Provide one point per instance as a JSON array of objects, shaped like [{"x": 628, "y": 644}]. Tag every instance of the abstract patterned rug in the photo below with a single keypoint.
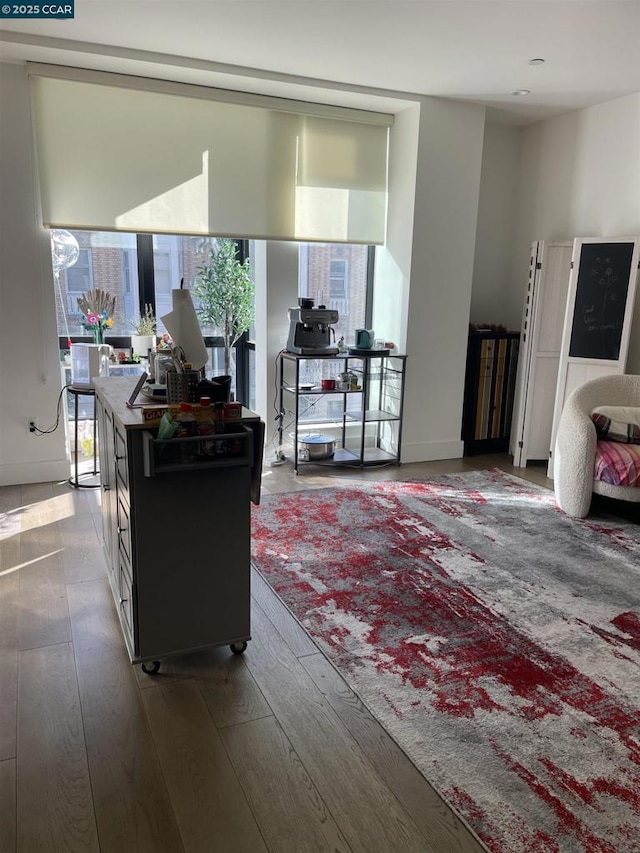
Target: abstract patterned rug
[{"x": 496, "y": 640}]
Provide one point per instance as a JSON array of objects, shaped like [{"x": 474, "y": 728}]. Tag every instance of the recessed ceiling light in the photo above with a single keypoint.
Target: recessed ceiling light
[
  {"x": 536, "y": 61},
  {"x": 521, "y": 92}
]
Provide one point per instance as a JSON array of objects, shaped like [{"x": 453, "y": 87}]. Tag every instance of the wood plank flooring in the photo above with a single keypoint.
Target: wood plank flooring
[{"x": 270, "y": 752}]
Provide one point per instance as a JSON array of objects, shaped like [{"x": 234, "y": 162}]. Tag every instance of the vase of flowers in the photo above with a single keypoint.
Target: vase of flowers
[
  {"x": 97, "y": 307},
  {"x": 144, "y": 326}
]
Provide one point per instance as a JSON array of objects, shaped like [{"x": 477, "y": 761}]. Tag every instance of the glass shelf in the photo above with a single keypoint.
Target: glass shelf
[
  {"x": 315, "y": 392},
  {"x": 371, "y": 416}
]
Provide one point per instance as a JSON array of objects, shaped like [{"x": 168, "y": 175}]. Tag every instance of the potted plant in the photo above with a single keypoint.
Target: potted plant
[
  {"x": 224, "y": 293},
  {"x": 145, "y": 332}
]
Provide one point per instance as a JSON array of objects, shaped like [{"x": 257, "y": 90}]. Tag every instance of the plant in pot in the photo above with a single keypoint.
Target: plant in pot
[
  {"x": 144, "y": 327},
  {"x": 224, "y": 294}
]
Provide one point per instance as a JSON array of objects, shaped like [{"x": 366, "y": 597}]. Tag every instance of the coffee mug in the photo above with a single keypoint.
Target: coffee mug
[
  {"x": 364, "y": 338},
  {"x": 328, "y": 384}
]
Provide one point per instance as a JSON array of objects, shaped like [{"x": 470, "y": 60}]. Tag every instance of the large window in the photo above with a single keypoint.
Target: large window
[
  {"x": 338, "y": 275},
  {"x": 143, "y": 269},
  {"x": 106, "y": 261}
]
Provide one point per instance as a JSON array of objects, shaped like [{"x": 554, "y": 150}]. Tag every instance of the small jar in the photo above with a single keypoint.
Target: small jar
[
  {"x": 186, "y": 420},
  {"x": 187, "y": 428}
]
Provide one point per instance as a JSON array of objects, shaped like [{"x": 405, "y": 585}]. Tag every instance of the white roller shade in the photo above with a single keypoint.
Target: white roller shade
[
  {"x": 119, "y": 157},
  {"x": 341, "y": 191}
]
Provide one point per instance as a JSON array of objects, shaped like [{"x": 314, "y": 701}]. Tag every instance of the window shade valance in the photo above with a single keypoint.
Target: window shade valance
[{"x": 122, "y": 157}]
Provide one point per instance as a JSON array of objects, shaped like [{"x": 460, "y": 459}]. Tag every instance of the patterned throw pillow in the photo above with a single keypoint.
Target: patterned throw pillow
[{"x": 617, "y": 423}]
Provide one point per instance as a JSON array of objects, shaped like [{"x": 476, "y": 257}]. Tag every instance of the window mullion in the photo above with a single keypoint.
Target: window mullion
[
  {"x": 368, "y": 311},
  {"x": 242, "y": 367},
  {"x": 146, "y": 278}
]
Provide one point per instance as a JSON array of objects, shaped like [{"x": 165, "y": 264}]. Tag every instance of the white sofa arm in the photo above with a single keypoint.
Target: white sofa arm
[{"x": 574, "y": 460}]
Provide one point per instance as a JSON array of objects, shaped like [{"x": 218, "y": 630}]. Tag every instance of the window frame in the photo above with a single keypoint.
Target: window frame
[{"x": 343, "y": 278}]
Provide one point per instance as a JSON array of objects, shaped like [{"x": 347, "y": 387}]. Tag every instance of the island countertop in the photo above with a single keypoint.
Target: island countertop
[{"x": 114, "y": 392}]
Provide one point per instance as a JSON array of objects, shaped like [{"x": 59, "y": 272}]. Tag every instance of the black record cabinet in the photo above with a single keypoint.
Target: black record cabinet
[{"x": 492, "y": 361}]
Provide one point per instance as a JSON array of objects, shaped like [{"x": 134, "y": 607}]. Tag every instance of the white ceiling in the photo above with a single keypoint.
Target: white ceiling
[{"x": 466, "y": 49}]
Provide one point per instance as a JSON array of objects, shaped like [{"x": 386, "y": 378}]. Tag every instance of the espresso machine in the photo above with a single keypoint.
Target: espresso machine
[{"x": 310, "y": 329}]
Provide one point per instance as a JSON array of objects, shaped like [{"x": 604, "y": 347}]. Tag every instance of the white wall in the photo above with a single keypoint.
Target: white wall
[
  {"x": 393, "y": 261},
  {"x": 576, "y": 175},
  {"x": 276, "y": 272},
  {"x": 496, "y": 297},
  {"x": 580, "y": 177},
  {"x": 30, "y": 379},
  {"x": 444, "y": 228}
]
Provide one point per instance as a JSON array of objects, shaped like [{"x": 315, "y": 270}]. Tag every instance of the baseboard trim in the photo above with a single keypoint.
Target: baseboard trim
[
  {"x": 54, "y": 471},
  {"x": 431, "y": 451}
]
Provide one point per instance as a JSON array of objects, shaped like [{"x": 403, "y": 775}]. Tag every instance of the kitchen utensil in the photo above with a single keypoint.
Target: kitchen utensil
[
  {"x": 364, "y": 338},
  {"x": 316, "y": 446}
]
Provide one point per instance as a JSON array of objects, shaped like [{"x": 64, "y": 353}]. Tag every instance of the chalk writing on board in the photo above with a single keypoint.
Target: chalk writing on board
[
  {"x": 601, "y": 296},
  {"x": 596, "y": 317}
]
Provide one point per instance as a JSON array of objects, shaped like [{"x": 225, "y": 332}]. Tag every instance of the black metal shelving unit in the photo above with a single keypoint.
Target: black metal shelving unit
[{"x": 364, "y": 420}]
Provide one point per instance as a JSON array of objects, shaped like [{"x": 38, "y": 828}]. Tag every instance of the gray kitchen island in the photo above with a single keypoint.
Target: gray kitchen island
[{"x": 176, "y": 529}]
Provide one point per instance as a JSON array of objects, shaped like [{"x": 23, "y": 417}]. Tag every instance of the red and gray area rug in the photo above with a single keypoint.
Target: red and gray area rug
[{"x": 496, "y": 639}]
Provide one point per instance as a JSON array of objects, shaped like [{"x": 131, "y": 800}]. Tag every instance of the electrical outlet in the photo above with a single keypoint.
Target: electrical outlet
[{"x": 33, "y": 424}]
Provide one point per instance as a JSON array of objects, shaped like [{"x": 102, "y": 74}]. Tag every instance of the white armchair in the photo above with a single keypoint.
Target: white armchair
[{"x": 575, "y": 449}]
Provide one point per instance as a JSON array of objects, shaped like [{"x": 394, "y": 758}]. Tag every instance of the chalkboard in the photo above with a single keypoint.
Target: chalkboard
[{"x": 601, "y": 297}]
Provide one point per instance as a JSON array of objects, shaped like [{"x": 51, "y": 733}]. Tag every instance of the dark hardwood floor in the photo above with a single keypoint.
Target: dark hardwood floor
[{"x": 270, "y": 751}]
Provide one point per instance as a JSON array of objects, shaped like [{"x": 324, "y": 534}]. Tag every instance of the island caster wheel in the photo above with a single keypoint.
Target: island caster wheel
[
  {"x": 151, "y": 669},
  {"x": 238, "y": 648}
]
